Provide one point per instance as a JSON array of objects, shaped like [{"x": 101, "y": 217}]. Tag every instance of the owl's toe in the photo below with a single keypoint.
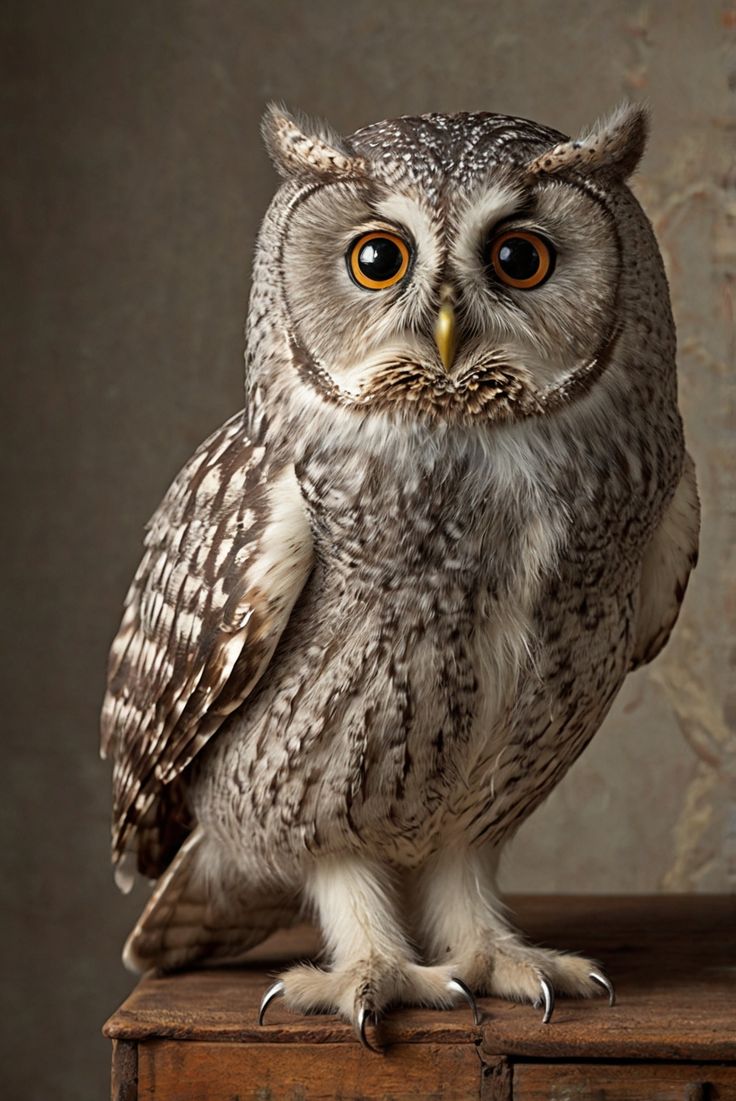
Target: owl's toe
[
  {"x": 523, "y": 973},
  {"x": 360, "y": 993},
  {"x": 275, "y": 991},
  {"x": 365, "y": 1015},
  {"x": 605, "y": 982},
  {"x": 457, "y": 986},
  {"x": 548, "y": 997}
]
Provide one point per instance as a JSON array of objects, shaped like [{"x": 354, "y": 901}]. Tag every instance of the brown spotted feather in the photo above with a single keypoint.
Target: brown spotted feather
[{"x": 199, "y": 627}]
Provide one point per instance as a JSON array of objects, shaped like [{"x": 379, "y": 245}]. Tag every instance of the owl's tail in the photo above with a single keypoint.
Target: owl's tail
[{"x": 185, "y": 923}]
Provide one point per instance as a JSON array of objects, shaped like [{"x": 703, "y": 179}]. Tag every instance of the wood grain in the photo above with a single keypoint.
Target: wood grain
[
  {"x": 124, "y": 1082},
  {"x": 296, "y": 1072},
  {"x": 671, "y": 958},
  {"x": 496, "y": 1080},
  {"x": 645, "y": 1082}
]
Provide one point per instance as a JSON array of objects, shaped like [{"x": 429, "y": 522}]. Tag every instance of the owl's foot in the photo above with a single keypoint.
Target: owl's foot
[
  {"x": 463, "y": 926},
  {"x": 359, "y": 993},
  {"x": 510, "y": 969}
]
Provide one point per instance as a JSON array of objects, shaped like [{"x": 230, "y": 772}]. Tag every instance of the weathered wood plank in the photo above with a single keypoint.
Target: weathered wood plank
[
  {"x": 583, "y": 1082},
  {"x": 299, "y": 1072},
  {"x": 671, "y": 957},
  {"x": 496, "y": 1080},
  {"x": 124, "y": 1081}
]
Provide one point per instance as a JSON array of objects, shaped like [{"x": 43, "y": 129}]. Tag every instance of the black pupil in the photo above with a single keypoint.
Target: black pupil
[
  {"x": 380, "y": 259},
  {"x": 519, "y": 258}
]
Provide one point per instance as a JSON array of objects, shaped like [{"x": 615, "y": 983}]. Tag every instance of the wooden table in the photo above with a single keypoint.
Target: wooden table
[{"x": 670, "y": 1037}]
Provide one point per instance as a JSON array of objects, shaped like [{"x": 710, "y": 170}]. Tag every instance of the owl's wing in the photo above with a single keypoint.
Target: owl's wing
[
  {"x": 668, "y": 560},
  {"x": 185, "y": 921},
  {"x": 226, "y": 556}
]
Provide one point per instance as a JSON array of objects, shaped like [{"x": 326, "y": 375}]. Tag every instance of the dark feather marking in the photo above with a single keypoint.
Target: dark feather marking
[{"x": 157, "y": 716}]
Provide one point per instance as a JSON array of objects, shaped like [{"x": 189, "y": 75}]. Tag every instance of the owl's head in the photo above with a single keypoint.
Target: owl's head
[{"x": 450, "y": 268}]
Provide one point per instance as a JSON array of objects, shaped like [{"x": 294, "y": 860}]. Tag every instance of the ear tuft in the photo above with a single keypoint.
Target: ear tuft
[
  {"x": 299, "y": 145},
  {"x": 613, "y": 146}
]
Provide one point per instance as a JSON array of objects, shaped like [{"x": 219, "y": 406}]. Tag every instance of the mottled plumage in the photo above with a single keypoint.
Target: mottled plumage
[{"x": 383, "y": 610}]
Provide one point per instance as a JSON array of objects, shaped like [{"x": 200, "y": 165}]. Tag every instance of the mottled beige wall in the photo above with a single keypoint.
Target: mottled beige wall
[
  {"x": 135, "y": 185},
  {"x": 651, "y": 805}
]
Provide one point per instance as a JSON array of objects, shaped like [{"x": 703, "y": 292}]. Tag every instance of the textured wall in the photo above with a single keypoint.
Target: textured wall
[{"x": 137, "y": 181}]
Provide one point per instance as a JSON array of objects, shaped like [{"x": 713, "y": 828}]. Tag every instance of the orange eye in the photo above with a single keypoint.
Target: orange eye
[
  {"x": 521, "y": 259},
  {"x": 378, "y": 260}
]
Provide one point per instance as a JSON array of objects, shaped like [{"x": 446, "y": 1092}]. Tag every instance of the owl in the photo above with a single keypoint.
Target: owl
[{"x": 383, "y": 609}]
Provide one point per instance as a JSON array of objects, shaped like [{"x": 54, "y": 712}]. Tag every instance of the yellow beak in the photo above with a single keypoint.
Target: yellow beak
[{"x": 444, "y": 334}]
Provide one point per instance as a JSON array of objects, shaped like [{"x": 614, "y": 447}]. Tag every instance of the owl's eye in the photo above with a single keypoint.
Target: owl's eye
[
  {"x": 521, "y": 259},
  {"x": 378, "y": 260}
]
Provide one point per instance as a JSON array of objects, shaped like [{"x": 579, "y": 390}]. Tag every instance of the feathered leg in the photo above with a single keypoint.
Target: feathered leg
[
  {"x": 461, "y": 924},
  {"x": 372, "y": 964}
]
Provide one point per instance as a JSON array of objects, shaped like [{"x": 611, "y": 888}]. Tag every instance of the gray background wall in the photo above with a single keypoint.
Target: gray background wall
[{"x": 133, "y": 184}]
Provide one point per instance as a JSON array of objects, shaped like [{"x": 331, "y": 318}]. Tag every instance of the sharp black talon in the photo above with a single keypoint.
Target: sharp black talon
[
  {"x": 459, "y": 986},
  {"x": 596, "y": 976},
  {"x": 548, "y": 994},
  {"x": 363, "y": 1015},
  {"x": 274, "y": 991}
]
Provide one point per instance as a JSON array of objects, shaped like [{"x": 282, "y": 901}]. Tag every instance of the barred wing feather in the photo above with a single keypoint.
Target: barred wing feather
[{"x": 226, "y": 556}]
